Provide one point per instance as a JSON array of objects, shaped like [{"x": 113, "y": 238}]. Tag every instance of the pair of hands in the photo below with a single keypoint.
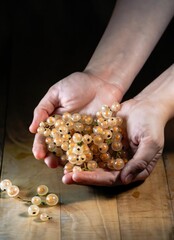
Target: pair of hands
[{"x": 85, "y": 93}]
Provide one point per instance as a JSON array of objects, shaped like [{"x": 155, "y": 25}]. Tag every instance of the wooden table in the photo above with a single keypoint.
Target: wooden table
[{"x": 140, "y": 211}]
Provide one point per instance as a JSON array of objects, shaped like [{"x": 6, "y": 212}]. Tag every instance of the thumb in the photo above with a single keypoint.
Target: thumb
[
  {"x": 39, "y": 115},
  {"x": 141, "y": 165}
]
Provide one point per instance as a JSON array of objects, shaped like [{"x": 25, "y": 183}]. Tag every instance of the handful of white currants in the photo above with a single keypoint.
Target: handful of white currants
[{"x": 86, "y": 142}]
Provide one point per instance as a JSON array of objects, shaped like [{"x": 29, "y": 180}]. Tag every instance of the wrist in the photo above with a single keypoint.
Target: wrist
[
  {"x": 109, "y": 73},
  {"x": 160, "y": 93}
]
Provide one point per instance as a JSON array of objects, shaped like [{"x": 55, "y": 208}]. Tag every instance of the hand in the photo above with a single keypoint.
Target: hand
[
  {"x": 145, "y": 125},
  {"x": 79, "y": 92},
  {"x": 145, "y": 128}
]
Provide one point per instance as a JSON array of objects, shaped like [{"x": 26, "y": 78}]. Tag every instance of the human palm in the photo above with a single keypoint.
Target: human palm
[
  {"x": 79, "y": 92},
  {"x": 145, "y": 127}
]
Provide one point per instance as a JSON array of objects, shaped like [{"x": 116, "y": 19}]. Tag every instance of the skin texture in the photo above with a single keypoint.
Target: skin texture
[{"x": 120, "y": 55}]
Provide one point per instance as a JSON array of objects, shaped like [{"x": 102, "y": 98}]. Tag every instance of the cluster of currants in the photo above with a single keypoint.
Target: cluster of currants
[
  {"x": 50, "y": 199},
  {"x": 85, "y": 142}
]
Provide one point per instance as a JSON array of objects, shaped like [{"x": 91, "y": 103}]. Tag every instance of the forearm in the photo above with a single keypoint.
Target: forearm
[
  {"x": 133, "y": 31},
  {"x": 160, "y": 94}
]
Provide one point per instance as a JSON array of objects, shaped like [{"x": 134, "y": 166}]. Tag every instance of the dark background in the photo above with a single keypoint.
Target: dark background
[{"x": 44, "y": 41}]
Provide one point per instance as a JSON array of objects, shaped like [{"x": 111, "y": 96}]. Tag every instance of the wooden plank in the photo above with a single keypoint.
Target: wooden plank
[
  {"x": 168, "y": 157},
  {"x": 169, "y": 166},
  {"x": 27, "y": 173},
  {"x": 86, "y": 214},
  {"x": 82, "y": 211},
  {"x": 145, "y": 212}
]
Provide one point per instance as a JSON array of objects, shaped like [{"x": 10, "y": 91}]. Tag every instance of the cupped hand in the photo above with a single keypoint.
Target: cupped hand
[
  {"x": 79, "y": 92},
  {"x": 145, "y": 127}
]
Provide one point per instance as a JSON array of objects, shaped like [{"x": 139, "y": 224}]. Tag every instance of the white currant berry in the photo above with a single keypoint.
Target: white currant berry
[
  {"x": 92, "y": 165},
  {"x": 76, "y": 117},
  {"x": 52, "y": 199},
  {"x": 36, "y": 200},
  {"x": 12, "y": 191},
  {"x": 118, "y": 164},
  {"x": 44, "y": 217},
  {"x": 33, "y": 210},
  {"x": 77, "y": 169},
  {"x": 115, "y": 107},
  {"x": 5, "y": 184},
  {"x": 42, "y": 190}
]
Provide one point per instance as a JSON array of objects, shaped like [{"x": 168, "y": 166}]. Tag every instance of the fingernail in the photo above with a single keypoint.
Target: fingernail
[{"x": 128, "y": 179}]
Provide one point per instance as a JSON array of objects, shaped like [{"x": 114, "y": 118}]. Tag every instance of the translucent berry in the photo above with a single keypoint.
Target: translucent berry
[
  {"x": 116, "y": 146},
  {"x": 77, "y": 137},
  {"x": 51, "y": 147},
  {"x": 97, "y": 139},
  {"x": 5, "y": 184},
  {"x": 88, "y": 120},
  {"x": 92, "y": 165},
  {"x": 104, "y": 124},
  {"x": 49, "y": 140},
  {"x": 78, "y": 127},
  {"x": 50, "y": 120},
  {"x": 33, "y": 210},
  {"x": 107, "y": 134},
  {"x": 115, "y": 107},
  {"x": 107, "y": 113},
  {"x": 58, "y": 141},
  {"x": 66, "y": 116},
  {"x": 42, "y": 190},
  {"x": 117, "y": 137},
  {"x": 62, "y": 129},
  {"x": 87, "y": 139},
  {"x": 58, "y": 123},
  {"x": 52, "y": 199},
  {"x": 40, "y": 130},
  {"x": 98, "y": 130},
  {"x": 76, "y": 117},
  {"x": 110, "y": 163},
  {"x": 36, "y": 200},
  {"x": 72, "y": 158},
  {"x": 103, "y": 147},
  {"x": 65, "y": 146},
  {"x": 112, "y": 121},
  {"x": 44, "y": 217},
  {"x": 77, "y": 150},
  {"x": 12, "y": 191},
  {"x": 105, "y": 156},
  {"x": 119, "y": 121},
  {"x": 118, "y": 164},
  {"x": 77, "y": 169},
  {"x": 68, "y": 167}
]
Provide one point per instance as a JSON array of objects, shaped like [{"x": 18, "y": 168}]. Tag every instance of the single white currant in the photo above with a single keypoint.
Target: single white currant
[
  {"x": 33, "y": 210},
  {"x": 52, "y": 199},
  {"x": 42, "y": 190},
  {"x": 12, "y": 191},
  {"x": 36, "y": 200},
  {"x": 44, "y": 217},
  {"x": 5, "y": 184}
]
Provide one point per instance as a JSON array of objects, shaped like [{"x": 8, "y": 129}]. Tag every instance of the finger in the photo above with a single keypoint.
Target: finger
[
  {"x": 142, "y": 163},
  {"x": 39, "y": 116},
  {"x": 39, "y": 147},
  {"x": 51, "y": 160},
  {"x": 45, "y": 108},
  {"x": 99, "y": 177},
  {"x": 67, "y": 178}
]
